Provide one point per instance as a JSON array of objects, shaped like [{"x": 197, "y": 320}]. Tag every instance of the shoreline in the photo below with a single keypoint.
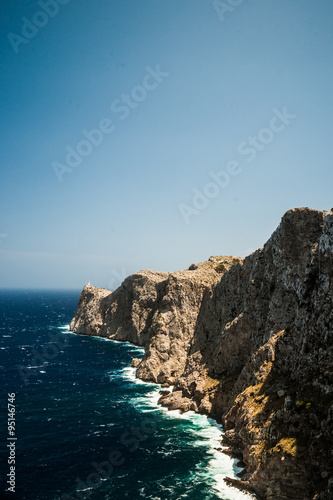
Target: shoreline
[
  {"x": 230, "y": 482},
  {"x": 245, "y": 341}
]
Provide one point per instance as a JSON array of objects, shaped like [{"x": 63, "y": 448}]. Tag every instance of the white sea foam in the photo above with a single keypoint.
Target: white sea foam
[
  {"x": 207, "y": 432},
  {"x": 101, "y": 339},
  {"x": 219, "y": 465},
  {"x": 64, "y": 327},
  {"x": 129, "y": 374},
  {"x": 129, "y": 345},
  {"x": 37, "y": 366}
]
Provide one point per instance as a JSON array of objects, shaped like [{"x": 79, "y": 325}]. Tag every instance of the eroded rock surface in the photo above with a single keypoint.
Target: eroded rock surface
[{"x": 248, "y": 342}]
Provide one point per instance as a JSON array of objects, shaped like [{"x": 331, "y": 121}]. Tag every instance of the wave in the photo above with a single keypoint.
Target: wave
[{"x": 208, "y": 433}]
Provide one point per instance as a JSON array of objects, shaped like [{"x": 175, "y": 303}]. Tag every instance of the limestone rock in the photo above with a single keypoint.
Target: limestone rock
[
  {"x": 136, "y": 362},
  {"x": 248, "y": 342}
]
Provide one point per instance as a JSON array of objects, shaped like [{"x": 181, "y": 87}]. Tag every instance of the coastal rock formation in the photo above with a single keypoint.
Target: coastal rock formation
[
  {"x": 248, "y": 342},
  {"x": 155, "y": 310}
]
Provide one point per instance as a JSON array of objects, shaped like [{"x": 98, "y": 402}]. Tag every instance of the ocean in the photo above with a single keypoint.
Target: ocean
[{"x": 77, "y": 424}]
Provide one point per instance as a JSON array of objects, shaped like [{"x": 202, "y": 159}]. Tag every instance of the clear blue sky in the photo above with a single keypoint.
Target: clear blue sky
[{"x": 223, "y": 79}]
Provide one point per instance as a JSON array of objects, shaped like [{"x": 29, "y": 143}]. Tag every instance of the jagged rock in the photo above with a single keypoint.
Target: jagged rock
[
  {"x": 176, "y": 401},
  {"x": 91, "y": 300},
  {"x": 136, "y": 362},
  {"x": 164, "y": 393},
  {"x": 157, "y": 310},
  {"x": 229, "y": 334}
]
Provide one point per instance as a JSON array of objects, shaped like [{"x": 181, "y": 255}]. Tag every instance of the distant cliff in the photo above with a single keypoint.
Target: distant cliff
[{"x": 248, "y": 342}]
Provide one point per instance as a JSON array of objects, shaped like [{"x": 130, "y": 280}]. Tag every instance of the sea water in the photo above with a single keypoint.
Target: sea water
[{"x": 85, "y": 427}]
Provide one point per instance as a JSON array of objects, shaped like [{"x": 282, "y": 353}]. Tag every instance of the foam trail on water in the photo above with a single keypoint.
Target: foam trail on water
[{"x": 207, "y": 431}]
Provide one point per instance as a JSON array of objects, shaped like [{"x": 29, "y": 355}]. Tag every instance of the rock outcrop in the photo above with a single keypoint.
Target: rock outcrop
[
  {"x": 155, "y": 310},
  {"x": 248, "y": 342}
]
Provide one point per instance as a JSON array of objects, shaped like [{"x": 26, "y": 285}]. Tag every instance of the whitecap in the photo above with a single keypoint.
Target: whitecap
[
  {"x": 208, "y": 434},
  {"x": 84, "y": 489},
  {"x": 39, "y": 366},
  {"x": 207, "y": 431}
]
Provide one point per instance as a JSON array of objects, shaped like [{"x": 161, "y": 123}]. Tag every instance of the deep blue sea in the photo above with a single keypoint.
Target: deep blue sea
[{"x": 85, "y": 427}]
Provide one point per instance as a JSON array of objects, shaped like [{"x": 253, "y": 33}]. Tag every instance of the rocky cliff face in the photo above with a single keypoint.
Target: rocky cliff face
[{"x": 248, "y": 342}]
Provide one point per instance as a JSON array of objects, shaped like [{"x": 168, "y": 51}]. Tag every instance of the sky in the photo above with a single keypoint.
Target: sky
[{"x": 153, "y": 134}]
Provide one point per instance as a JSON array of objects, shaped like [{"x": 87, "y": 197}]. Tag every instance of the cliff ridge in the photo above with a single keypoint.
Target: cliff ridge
[{"x": 246, "y": 341}]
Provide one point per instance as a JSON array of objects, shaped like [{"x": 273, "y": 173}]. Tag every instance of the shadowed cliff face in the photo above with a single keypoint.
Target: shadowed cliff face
[
  {"x": 156, "y": 310},
  {"x": 248, "y": 342}
]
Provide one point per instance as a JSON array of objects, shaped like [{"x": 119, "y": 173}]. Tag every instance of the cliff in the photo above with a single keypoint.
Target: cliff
[{"x": 248, "y": 342}]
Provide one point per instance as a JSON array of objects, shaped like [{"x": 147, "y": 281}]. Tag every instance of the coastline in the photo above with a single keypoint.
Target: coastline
[
  {"x": 233, "y": 453},
  {"x": 246, "y": 342},
  {"x": 225, "y": 485}
]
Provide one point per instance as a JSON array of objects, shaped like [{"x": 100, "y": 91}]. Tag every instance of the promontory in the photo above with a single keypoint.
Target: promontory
[{"x": 248, "y": 342}]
